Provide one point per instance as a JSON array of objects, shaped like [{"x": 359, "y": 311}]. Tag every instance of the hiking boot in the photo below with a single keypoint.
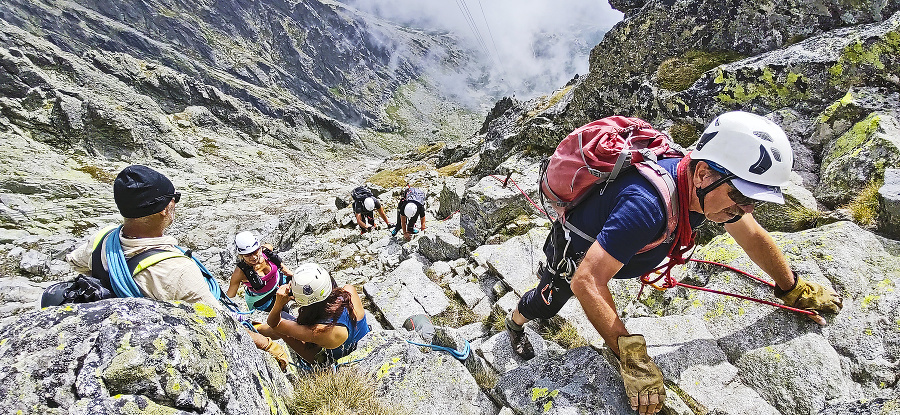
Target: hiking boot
[{"x": 519, "y": 342}]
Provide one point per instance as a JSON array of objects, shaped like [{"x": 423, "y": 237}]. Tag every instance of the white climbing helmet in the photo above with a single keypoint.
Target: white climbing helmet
[
  {"x": 369, "y": 203},
  {"x": 751, "y": 147},
  {"x": 410, "y": 209},
  {"x": 246, "y": 243},
  {"x": 310, "y": 284}
]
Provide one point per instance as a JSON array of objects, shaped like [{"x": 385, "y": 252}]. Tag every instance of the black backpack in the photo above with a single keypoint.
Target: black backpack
[
  {"x": 361, "y": 193},
  {"x": 252, "y": 277}
]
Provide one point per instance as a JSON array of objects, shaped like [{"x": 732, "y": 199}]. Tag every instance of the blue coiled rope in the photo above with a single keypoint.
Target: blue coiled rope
[{"x": 459, "y": 355}]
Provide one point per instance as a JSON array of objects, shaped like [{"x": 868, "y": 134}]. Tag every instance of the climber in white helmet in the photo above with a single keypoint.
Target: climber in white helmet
[
  {"x": 410, "y": 208},
  {"x": 741, "y": 160},
  {"x": 365, "y": 204}
]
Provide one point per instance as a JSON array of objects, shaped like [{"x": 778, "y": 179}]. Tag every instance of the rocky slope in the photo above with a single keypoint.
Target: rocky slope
[{"x": 828, "y": 72}]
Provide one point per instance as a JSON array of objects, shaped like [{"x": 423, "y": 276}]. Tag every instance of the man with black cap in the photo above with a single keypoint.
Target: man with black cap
[{"x": 147, "y": 199}]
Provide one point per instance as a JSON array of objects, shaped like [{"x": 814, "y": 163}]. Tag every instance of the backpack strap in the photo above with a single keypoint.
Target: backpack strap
[
  {"x": 149, "y": 257},
  {"x": 97, "y": 270},
  {"x": 665, "y": 185}
]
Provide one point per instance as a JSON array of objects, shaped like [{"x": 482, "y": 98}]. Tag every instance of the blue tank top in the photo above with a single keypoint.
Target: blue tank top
[
  {"x": 625, "y": 218},
  {"x": 355, "y": 332}
]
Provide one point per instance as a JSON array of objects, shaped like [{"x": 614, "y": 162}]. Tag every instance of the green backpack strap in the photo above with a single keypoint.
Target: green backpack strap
[{"x": 149, "y": 257}]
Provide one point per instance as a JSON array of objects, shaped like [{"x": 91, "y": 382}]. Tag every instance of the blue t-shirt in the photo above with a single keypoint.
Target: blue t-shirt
[
  {"x": 355, "y": 332},
  {"x": 629, "y": 215}
]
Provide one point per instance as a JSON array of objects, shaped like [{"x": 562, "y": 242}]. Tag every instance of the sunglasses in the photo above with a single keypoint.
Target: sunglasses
[{"x": 739, "y": 199}]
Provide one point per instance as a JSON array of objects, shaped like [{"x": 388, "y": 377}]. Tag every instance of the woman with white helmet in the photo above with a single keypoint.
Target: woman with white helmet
[
  {"x": 410, "y": 208},
  {"x": 259, "y": 269},
  {"x": 330, "y": 321}
]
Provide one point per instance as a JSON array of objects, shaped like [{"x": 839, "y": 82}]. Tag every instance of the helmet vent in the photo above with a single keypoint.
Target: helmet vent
[
  {"x": 775, "y": 154},
  {"x": 763, "y": 135}
]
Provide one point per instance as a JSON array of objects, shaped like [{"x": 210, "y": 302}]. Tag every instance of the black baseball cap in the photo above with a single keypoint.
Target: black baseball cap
[{"x": 141, "y": 191}]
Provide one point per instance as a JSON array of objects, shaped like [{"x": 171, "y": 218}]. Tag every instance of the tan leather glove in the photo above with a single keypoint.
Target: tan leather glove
[
  {"x": 278, "y": 353},
  {"x": 643, "y": 379},
  {"x": 810, "y": 296}
]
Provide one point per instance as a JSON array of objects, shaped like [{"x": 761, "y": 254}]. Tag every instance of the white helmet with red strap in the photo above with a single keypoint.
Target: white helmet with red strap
[{"x": 751, "y": 147}]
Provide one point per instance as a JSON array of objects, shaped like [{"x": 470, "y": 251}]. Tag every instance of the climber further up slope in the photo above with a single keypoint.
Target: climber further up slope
[{"x": 741, "y": 160}]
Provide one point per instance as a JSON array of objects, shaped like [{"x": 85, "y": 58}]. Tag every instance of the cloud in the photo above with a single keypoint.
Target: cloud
[{"x": 528, "y": 47}]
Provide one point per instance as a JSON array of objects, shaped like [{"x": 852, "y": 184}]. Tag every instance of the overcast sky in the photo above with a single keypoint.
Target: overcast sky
[{"x": 532, "y": 46}]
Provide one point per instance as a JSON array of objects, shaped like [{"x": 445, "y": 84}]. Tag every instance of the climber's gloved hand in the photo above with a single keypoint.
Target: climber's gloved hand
[
  {"x": 643, "y": 379},
  {"x": 810, "y": 296},
  {"x": 278, "y": 353}
]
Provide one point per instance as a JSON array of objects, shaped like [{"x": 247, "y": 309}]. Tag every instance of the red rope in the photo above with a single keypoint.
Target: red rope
[
  {"x": 523, "y": 193},
  {"x": 451, "y": 215}
]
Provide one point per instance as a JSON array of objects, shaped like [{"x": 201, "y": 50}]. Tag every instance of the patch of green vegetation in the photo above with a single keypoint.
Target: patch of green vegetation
[
  {"x": 485, "y": 377},
  {"x": 430, "y": 149},
  {"x": 782, "y": 89},
  {"x": 832, "y": 109},
  {"x": 793, "y": 40},
  {"x": 802, "y": 217},
  {"x": 496, "y": 320},
  {"x": 680, "y": 72},
  {"x": 337, "y": 92},
  {"x": 347, "y": 263},
  {"x": 208, "y": 146},
  {"x": 861, "y": 60},
  {"x": 394, "y": 178},
  {"x": 684, "y": 134},
  {"x": 345, "y": 391},
  {"x": 80, "y": 227},
  {"x": 562, "y": 332},
  {"x": 456, "y": 315},
  {"x": 547, "y": 102},
  {"x": 851, "y": 142},
  {"x": 168, "y": 12},
  {"x": 451, "y": 169},
  {"x": 98, "y": 174},
  {"x": 864, "y": 207}
]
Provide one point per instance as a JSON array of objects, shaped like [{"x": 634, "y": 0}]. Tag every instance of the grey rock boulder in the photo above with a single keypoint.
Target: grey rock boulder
[
  {"x": 889, "y": 203},
  {"x": 486, "y": 207},
  {"x": 516, "y": 260},
  {"x": 404, "y": 292},
  {"x": 158, "y": 355},
  {"x": 579, "y": 381},
  {"x": 858, "y": 156},
  {"x": 852, "y": 357},
  {"x": 418, "y": 379}
]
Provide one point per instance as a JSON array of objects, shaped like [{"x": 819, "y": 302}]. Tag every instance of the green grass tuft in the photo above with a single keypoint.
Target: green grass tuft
[
  {"x": 680, "y": 72},
  {"x": 344, "y": 392},
  {"x": 456, "y": 315},
  {"x": 98, "y": 174},
  {"x": 864, "y": 207},
  {"x": 562, "y": 332},
  {"x": 496, "y": 320},
  {"x": 394, "y": 178}
]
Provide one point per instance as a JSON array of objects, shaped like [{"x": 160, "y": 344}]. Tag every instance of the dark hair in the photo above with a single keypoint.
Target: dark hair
[{"x": 327, "y": 312}]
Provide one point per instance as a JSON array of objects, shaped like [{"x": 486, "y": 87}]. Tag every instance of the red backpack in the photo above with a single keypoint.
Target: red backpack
[{"x": 596, "y": 154}]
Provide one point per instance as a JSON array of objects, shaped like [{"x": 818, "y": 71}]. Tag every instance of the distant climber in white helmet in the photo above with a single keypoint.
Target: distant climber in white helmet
[
  {"x": 741, "y": 160},
  {"x": 364, "y": 206},
  {"x": 410, "y": 208}
]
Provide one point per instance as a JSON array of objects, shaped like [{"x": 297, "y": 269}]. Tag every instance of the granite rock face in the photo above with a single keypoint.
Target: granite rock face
[{"x": 126, "y": 354}]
